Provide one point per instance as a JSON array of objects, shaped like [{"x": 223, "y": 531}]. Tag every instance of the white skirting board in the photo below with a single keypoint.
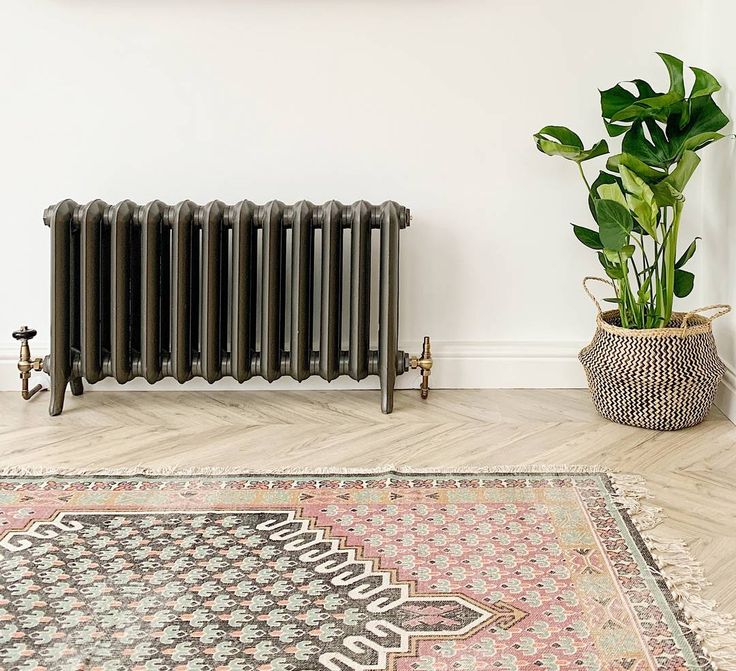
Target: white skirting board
[{"x": 458, "y": 365}]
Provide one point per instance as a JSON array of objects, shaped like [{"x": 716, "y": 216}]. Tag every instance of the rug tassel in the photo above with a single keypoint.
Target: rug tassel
[
  {"x": 184, "y": 470},
  {"x": 682, "y": 573}
]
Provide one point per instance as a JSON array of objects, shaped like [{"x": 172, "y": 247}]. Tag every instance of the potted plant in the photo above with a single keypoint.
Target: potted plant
[{"x": 647, "y": 365}]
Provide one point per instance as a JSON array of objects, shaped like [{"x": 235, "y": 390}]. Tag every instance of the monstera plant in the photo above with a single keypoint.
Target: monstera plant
[{"x": 637, "y": 201}]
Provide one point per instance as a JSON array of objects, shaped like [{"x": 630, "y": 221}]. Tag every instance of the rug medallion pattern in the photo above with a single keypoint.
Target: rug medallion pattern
[{"x": 389, "y": 572}]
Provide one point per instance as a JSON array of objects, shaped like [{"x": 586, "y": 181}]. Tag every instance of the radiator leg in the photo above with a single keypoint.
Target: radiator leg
[
  {"x": 57, "y": 389},
  {"x": 76, "y": 386},
  {"x": 387, "y": 397},
  {"x": 59, "y": 218}
]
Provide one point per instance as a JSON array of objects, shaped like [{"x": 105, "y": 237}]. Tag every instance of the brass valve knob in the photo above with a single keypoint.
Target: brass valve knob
[{"x": 24, "y": 333}]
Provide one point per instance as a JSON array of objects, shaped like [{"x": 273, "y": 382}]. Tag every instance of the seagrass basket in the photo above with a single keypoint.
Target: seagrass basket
[{"x": 664, "y": 378}]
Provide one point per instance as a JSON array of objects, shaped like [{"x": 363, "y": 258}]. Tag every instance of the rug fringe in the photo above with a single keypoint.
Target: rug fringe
[
  {"x": 681, "y": 572},
  {"x": 716, "y": 632},
  {"x": 292, "y": 470}
]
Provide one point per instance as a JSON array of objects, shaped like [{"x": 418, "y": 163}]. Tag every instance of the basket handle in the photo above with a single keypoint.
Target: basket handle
[
  {"x": 590, "y": 293},
  {"x": 721, "y": 307}
]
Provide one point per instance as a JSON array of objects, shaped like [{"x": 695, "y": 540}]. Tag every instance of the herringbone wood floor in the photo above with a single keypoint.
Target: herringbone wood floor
[{"x": 691, "y": 473}]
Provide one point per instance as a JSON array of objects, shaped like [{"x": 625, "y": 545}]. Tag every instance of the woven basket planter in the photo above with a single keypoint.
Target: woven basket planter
[{"x": 664, "y": 379}]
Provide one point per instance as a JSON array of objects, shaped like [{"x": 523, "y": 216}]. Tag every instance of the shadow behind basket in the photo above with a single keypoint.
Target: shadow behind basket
[{"x": 664, "y": 379}]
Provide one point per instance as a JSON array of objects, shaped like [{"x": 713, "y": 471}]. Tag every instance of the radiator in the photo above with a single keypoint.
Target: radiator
[{"x": 183, "y": 291}]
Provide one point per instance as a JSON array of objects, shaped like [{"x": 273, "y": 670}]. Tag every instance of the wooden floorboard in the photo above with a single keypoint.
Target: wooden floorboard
[{"x": 690, "y": 472}]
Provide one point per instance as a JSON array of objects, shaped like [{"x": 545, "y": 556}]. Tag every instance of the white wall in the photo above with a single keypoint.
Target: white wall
[
  {"x": 719, "y": 197},
  {"x": 427, "y": 102}
]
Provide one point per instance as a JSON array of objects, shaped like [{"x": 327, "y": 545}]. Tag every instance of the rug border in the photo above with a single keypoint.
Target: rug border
[
  {"x": 140, "y": 469},
  {"x": 714, "y": 631}
]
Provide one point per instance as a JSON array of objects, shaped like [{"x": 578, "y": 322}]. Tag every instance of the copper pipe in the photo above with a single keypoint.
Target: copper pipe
[{"x": 25, "y": 393}]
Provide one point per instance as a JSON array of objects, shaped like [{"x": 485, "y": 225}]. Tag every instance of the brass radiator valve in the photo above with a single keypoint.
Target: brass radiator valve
[
  {"x": 424, "y": 363},
  {"x": 25, "y": 364}
]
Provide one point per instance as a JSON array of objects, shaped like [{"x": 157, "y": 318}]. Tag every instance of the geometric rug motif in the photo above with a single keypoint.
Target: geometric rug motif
[
  {"x": 261, "y": 583},
  {"x": 371, "y": 572}
]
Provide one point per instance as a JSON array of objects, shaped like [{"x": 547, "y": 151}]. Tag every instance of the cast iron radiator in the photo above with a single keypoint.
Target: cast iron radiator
[{"x": 218, "y": 290}]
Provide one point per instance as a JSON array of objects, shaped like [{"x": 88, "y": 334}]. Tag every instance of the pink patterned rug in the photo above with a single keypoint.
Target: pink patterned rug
[{"x": 352, "y": 571}]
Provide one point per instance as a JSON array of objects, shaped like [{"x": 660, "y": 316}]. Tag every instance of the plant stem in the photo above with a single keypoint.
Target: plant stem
[
  {"x": 582, "y": 174},
  {"x": 661, "y": 277},
  {"x": 670, "y": 259},
  {"x": 625, "y": 291},
  {"x": 638, "y": 302},
  {"x": 648, "y": 281}
]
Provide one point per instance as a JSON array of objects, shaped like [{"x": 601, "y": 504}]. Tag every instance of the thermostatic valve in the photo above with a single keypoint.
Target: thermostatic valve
[
  {"x": 26, "y": 365},
  {"x": 424, "y": 364}
]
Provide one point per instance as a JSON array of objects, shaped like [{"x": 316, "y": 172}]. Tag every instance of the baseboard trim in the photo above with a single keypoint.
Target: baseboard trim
[{"x": 458, "y": 365}]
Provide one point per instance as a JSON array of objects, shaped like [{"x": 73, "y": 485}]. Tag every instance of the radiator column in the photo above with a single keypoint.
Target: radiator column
[
  {"x": 91, "y": 217},
  {"x": 272, "y": 294},
  {"x": 243, "y": 292},
  {"x": 120, "y": 220},
  {"x": 212, "y": 288},
  {"x": 331, "y": 309},
  {"x": 182, "y": 216},
  {"x": 388, "y": 318},
  {"x": 302, "y": 293},
  {"x": 360, "y": 290},
  {"x": 151, "y": 267},
  {"x": 59, "y": 219}
]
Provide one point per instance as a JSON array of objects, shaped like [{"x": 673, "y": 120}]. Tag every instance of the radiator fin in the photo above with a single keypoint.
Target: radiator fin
[
  {"x": 272, "y": 290},
  {"x": 243, "y": 294},
  {"x": 212, "y": 291},
  {"x": 150, "y": 218},
  {"x": 120, "y": 218},
  {"x": 388, "y": 317},
  {"x": 90, "y": 222},
  {"x": 360, "y": 290},
  {"x": 181, "y": 279},
  {"x": 302, "y": 294},
  {"x": 331, "y": 295}
]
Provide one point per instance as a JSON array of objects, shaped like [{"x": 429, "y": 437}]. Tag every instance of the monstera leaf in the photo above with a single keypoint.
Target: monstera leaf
[
  {"x": 705, "y": 83},
  {"x": 615, "y": 223},
  {"x": 646, "y": 172},
  {"x": 640, "y": 200},
  {"x": 689, "y": 252},
  {"x": 561, "y": 141},
  {"x": 690, "y": 124},
  {"x": 670, "y": 189},
  {"x": 612, "y": 192},
  {"x": 603, "y": 178},
  {"x": 705, "y": 119},
  {"x": 654, "y": 153},
  {"x": 617, "y": 257},
  {"x": 588, "y": 237},
  {"x": 684, "y": 282},
  {"x": 618, "y": 98},
  {"x": 620, "y": 107}
]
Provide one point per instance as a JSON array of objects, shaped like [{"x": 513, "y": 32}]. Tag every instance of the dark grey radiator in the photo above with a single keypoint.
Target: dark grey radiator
[{"x": 190, "y": 290}]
